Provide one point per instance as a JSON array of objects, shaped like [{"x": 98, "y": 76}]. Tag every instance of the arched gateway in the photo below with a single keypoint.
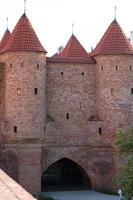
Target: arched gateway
[{"x": 65, "y": 174}]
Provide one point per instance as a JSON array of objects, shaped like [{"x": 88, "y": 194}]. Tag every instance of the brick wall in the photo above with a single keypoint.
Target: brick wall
[
  {"x": 84, "y": 105},
  {"x": 25, "y": 109},
  {"x": 98, "y": 162},
  {"x": 114, "y": 83},
  {"x": 71, "y": 93},
  {"x": 72, "y": 89}
]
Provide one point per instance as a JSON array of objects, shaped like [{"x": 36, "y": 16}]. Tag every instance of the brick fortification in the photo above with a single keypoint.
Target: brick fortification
[{"x": 65, "y": 106}]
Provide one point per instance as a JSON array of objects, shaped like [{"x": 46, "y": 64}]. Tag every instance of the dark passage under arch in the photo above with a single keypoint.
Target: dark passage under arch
[{"x": 65, "y": 175}]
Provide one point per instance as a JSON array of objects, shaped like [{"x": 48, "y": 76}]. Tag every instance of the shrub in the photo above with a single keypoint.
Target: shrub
[{"x": 125, "y": 149}]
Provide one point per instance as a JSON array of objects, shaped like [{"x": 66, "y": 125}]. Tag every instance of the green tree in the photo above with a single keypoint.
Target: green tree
[{"x": 125, "y": 150}]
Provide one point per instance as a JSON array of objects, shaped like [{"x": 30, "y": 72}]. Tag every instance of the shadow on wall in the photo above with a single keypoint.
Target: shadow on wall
[{"x": 9, "y": 163}]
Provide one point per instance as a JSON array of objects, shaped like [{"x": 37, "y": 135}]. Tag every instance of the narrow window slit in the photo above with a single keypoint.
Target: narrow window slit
[
  {"x": 100, "y": 131},
  {"x": 18, "y": 90},
  {"x": 15, "y": 129},
  {"x": 35, "y": 90},
  {"x": 67, "y": 116}
]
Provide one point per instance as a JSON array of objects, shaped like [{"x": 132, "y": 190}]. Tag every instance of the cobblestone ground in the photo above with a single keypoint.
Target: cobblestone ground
[{"x": 81, "y": 195}]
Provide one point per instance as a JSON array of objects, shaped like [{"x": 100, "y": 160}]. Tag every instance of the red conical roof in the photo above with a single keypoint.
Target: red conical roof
[
  {"x": 73, "y": 49},
  {"x": 24, "y": 38},
  {"x": 5, "y": 39},
  {"x": 113, "y": 42}
]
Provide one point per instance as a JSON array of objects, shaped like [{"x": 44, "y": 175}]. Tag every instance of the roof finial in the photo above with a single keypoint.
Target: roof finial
[
  {"x": 24, "y": 6},
  {"x": 115, "y": 11},
  {"x": 7, "y": 22},
  {"x": 72, "y": 28}
]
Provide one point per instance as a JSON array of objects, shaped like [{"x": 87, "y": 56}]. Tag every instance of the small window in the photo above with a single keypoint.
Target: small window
[
  {"x": 37, "y": 66},
  {"x": 100, "y": 131},
  {"x": 102, "y": 68},
  {"x": 15, "y": 129},
  {"x": 44, "y": 128},
  {"x": 62, "y": 73},
  {"x": 67, "y": 116},
  {"x": 22, "y": 64},
  {"x": 116, "y": 67},
  {"x": 18, "y": 90},
  {"x": 130, "y": 67},
  {"x": 131, "y": 90},
  {"x": 112, "y": 91},
  {"x": 35, "y": 90},
  {"x": 83, "y": 73},
  {"x": 10, "y": 65}
]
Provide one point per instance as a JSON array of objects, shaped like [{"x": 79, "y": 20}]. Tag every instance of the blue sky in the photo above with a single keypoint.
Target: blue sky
[{"x": 52, "y": 19}]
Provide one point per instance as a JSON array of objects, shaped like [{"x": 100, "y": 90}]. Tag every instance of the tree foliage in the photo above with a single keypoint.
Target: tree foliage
[{"x": 125, "y": 150}]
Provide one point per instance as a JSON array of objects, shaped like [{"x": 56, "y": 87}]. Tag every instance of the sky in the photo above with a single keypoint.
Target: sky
[{"x": 52, "y": 19}]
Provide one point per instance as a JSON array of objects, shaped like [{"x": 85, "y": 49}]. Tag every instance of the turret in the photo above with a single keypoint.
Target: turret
[
  {"x": 5, "y": 39},
  {"x": 3, "y": 42},
  {"x": 73, "y": 49},
  {"x": 25, "y": 69},
  {"x": 114, "y": 56}
]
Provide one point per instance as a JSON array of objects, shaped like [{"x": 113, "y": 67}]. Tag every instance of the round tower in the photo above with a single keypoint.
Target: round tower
[
  {"x": 25, "y": 68},
  {"x": 114, "y": 56}
]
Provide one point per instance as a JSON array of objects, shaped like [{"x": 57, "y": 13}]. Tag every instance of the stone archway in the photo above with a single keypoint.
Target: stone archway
[{"x": 65, "y": 174}]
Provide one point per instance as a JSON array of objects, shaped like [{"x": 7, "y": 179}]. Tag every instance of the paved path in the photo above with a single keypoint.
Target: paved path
[
  {"x": 10, "y": 190},
  {"x": 81, "y": 195}
]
